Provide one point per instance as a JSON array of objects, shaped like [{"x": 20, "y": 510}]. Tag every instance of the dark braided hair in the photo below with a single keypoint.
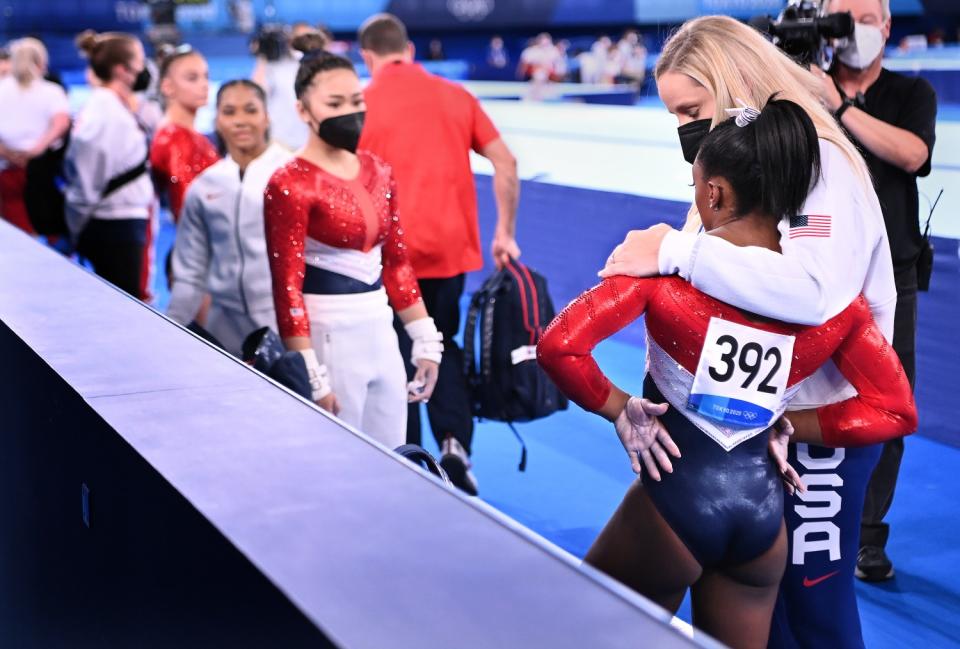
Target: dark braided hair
[
  {"x": 315, "y": 62},
  {"x": 772, "y": 163}
]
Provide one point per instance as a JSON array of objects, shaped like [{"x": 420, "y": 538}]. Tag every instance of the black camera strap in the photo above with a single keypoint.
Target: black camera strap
[
  {"x": 923, "y": 262},
  {"x": 926, "y": 229}
]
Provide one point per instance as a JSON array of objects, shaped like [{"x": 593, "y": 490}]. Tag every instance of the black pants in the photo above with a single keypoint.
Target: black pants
[
  {"x": 115, "y": 247},
  {"x": 883, "y": 482},
  {"x": 449, "y": 408}
]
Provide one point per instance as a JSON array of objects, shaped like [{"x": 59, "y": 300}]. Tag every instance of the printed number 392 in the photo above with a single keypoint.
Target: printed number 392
[{"x": 749, "y": 358}]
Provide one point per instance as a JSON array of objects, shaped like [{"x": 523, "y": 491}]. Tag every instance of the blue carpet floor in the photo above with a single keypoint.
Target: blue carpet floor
[{"x": 577, "y": 471}]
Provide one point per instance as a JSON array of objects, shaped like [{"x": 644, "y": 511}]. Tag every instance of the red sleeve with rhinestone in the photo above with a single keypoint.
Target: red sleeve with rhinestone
[
  {"x": 285, "y": 218},
  {"x": 399, "y": 278},
  {"x": 190, "y": 155},
  {"x": 177, "y": 156},
  {"x": 565, "y": 349},
  {"x": 884, "y": 407}
]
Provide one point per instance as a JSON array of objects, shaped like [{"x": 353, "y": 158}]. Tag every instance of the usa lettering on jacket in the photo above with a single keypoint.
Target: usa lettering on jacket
[{"x": 818, "y": 505}]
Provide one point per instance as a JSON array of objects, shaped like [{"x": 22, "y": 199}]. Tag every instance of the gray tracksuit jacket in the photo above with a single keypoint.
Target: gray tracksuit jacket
[{"x": 220, "y": 247}]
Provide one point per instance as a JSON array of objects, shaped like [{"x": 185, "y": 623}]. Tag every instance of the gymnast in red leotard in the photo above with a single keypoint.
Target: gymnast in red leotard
[
  {"x": 713, "y": 520},
  {"x": 179, "y": 153},
  {"x": 339, "y": 263}
]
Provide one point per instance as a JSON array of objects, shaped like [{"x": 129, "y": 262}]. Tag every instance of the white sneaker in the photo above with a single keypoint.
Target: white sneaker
[{"x": 456, "y": 463}]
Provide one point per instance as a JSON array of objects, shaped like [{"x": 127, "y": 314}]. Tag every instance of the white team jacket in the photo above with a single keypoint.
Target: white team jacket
[
  {"x": 220, "y": 247},
  {"x": 814, "y": 279},
  {"x": 105, "y": 142}
]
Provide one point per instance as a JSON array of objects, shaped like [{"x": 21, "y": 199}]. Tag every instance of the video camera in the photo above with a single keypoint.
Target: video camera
[
  {"x": 272, "y": 41},
  {"x": 803, "y": 31}
]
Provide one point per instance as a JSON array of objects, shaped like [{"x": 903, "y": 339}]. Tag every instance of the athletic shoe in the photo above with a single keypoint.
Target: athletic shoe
[
  {"x": 456, "y": 463},
  {"x": 873, "y": 564}
]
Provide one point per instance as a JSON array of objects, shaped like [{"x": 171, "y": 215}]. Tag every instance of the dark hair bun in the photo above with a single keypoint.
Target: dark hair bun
[
  {"x": 87, "y": 41},
  {"x": 309, "y": 42}
]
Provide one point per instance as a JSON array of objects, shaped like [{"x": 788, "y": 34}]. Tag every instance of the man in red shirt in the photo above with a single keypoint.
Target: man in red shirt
[{"x": 425, "y": 127}]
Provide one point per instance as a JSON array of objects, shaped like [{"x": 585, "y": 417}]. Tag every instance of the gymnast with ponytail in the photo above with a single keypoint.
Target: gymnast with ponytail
[{"x": 708, "y": 512}]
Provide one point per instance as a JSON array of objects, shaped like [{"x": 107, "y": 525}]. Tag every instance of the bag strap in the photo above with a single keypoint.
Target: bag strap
[
  {"x": 486, "y": 329},
  {"x": 419, "y": 456},
  {"x": 125, "y": 178},
  {"x": 478, "y": 303},
  {"x": 515, "y": 269},
  {"x": 469, "y": 334},
  {"x": 523, "y": 447}
]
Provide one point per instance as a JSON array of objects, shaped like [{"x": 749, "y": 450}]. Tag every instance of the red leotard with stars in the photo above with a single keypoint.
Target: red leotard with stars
[
  {"x": 677, "y": 317},
  {"x": 302, "y": 200},
  {"x": 177, "y": 155}
]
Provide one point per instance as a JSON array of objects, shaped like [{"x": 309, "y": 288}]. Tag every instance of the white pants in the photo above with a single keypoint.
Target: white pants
[
  {"x": 231, "y": 327},
  {"x": 353, "y": 336}
]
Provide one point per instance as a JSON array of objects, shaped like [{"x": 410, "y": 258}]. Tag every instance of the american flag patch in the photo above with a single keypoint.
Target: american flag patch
[{"x": 809, "y": 225}]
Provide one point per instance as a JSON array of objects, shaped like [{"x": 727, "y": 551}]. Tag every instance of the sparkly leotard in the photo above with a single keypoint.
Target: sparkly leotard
[
  {"x": 177, "y": 156},
  {"x": 347, "y": 227},
  {"x": 725, "y": 502}
]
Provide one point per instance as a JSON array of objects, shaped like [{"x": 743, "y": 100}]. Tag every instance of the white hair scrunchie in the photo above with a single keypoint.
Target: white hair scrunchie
[{"x": 743, "y": 115}]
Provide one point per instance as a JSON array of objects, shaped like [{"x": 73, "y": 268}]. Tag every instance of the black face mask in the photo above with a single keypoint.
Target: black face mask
[
  {"x": 142, "y": 82},
  {"x": 691, "y": 135},
  {"x": 342, "y": 131}
]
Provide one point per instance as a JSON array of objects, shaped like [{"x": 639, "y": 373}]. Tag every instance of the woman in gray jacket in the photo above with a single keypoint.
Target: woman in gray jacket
[{"x": 220, "y": 248}]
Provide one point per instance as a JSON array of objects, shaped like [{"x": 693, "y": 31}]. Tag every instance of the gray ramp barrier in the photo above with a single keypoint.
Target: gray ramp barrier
[{"x": 158, "y": 492}]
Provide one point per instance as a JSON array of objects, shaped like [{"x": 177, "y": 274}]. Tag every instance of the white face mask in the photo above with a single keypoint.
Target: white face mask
[{"x": 863, "y": 48}]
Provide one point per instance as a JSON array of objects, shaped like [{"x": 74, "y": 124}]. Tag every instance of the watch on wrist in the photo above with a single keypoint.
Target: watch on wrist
[{"x": 847, "y": 103}]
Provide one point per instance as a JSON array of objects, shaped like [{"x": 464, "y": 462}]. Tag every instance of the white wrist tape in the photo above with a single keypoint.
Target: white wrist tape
[
  {"x": 427, "y": 341},
  {"x": 318, "y": 375}
]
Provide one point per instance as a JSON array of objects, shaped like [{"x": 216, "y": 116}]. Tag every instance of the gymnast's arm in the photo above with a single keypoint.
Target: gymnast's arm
[
  {"x": 285, "y": 226},
  {"x": 190, "y": 261},
  {"x": 565, "y": 348},
  {"x": 179, "y": 167},
  {"x": 399, "y": 278},
  {"x": 285, "y": 223},
  {"x": 883, "y": 408}
]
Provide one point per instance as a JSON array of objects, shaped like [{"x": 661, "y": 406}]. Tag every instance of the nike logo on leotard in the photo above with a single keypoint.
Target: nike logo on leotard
[{"x": 813, "y": 582}]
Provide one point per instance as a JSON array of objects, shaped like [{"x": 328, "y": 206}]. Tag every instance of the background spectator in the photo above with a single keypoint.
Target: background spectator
[
  {"x": 276, "y": 72},
  {"x": 635, "y": 66},
  {"x": 497, "y": 55},
  {"x": 541, "y": 60},
  {"x": 36, "y": 117},
  {"x": 436, "y": 51}
]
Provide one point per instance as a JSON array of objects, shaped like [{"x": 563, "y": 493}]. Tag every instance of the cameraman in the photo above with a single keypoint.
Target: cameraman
[
  {"x": 275, "y": 72},
  {"x": 891, "y": 117}
]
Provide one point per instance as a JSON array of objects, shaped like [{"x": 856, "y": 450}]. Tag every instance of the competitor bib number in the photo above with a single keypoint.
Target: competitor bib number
[{"x": 742, "y": 374}]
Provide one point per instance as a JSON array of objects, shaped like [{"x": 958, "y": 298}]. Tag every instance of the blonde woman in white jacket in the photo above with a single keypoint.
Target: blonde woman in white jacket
[{"x": 220, "y": 247}]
